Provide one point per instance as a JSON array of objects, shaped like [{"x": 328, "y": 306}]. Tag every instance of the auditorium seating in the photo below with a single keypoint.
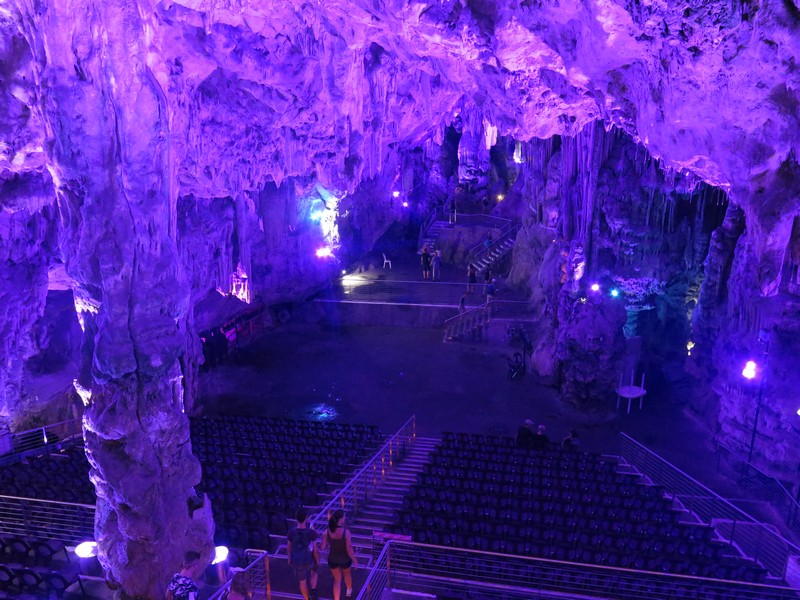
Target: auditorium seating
[
  {"x": 258, "y": 471},
  {"x": 39, "y": 568},
  {"x": 484, "y": 493}
]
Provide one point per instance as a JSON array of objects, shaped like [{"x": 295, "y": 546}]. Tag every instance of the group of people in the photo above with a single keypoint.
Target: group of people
[
  {"x": 431, "y": 264},
  {"x": 304, "y": 554},
  {"x": 526, "y": 438},
  {"x": 303, "y": 550}
]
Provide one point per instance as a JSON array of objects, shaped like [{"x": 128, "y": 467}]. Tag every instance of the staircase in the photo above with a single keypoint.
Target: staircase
[
  {"x": 489, "y": 257},
  {"x": 377, "y": 515},
  {"x": 467, "y": 326},
  {"x": 430, "y": 236}
]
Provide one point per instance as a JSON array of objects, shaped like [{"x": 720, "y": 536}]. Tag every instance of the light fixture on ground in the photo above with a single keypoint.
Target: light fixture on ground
[
  {"x": 396, "y": 194},
  {"x": 595, "y": 287},
  {"x": 218, "y": 571}
]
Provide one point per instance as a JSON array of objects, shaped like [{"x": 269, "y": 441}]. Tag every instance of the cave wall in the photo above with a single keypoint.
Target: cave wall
[{"x": 134, "y": 107}]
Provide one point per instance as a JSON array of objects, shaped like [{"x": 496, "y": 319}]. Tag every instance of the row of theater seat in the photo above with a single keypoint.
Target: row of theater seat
[
  {"x": 39, "y": 582},
  {"x": 545, "y": 507},
  {"x": 258, "y": 471},
  {"x": 244, "y": 468},
  {"x": 35, "y": 566}
]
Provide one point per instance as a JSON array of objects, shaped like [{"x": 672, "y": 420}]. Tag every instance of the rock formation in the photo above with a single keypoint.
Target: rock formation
[{"x": 196, "y": 144}]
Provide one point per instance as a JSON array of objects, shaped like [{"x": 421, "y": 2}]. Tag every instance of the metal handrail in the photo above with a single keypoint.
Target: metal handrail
[
  {"x": 767, "y": 547},
  {"x": 426, "y": 567},
  {"x": 429, "y": 221},
  {"x": 506, "y": 233},
  {"x": 39, "y": 440},
  {"x": 258, "y": 575},
  {"x": 69, "y": 522},
  {"x": 358, "y": 289},
  {"x": 777, "y": 495},
  {"x": 368, "y": 477}
]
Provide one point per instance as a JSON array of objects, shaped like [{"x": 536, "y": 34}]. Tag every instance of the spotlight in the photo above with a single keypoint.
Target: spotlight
[
  {"x": 749, "y": 371},
  {"x": 86, "y": 550},
  {"x": 324, "y": 252},
  {"x": 595, "y": 287},
  {"x": 396, "y": 194},
  {"x": 344, "y": 272},
  {"x": 220, "y": 554},
  {"x": 500, "y": 197},
  {"x": 405, "y": 204},
  {"x": 583, "y": 300},
  {"x": 798, "y": 412},
  {"x": 615, "y": 292}
]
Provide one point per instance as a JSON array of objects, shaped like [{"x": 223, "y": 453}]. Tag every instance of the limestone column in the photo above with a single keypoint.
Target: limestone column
[{"x": 108, "y": 123}]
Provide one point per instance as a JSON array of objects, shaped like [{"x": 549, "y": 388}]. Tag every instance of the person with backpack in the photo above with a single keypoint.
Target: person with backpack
[{"x": 304, "y": 555}]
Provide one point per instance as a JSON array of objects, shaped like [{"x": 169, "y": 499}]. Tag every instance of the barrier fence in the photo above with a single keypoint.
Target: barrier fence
[
  {"x": 759, "y": 484},
  {"x": 14, "y": 446},
  {"x": 427, "y": 569},
  {"x": 66, "y": 521},
  {"x": 478, "y": 251},
  {"x": 361, "y": 289},
  {"x": 258, "y": 575},
  {"x": 756, "y": 541}
]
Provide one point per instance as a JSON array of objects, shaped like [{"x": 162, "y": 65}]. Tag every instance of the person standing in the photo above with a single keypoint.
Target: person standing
[
  {"x": 182, "y": 585},
  {"x": 341, "y": 557},
  {"x": 304, "y": 555},
  {"x": 436, "y": 263},
  {"x": 426, "y": 263},
  {"x": 525, "y": 434},
  {"x": 472, "y": 278}
]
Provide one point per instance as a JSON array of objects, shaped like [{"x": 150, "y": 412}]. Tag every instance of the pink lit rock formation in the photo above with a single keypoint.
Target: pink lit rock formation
[{"x": 183, "y": 138}]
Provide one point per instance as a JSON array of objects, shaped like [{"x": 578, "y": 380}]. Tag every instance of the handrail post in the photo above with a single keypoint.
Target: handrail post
[{"x": 268, "y": 582}]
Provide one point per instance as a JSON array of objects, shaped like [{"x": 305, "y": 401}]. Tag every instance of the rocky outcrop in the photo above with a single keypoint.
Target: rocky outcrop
[{"x": 142, "y": 110}]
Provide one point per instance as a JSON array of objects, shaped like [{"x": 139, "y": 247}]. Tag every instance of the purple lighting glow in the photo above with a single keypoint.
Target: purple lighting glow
[
  {"x": 405, "y": 204},
  {"x": 395, "y": 194},
  {"x": 749, "y": 371},
  {"x": 86, "y": 550},
  {"x": 615, "y": 292},
  {"x": 595, "y": 287},
  {"x": 324, "y": 252}
]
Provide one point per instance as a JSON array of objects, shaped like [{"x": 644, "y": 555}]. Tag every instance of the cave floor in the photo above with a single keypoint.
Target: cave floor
[{"x": 382, "y": 376}]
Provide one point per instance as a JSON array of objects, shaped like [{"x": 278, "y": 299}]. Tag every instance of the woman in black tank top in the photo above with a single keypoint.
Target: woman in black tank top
[{"x": 341, "y": 556}]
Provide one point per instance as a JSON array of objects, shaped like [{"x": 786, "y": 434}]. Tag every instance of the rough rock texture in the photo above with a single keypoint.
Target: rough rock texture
[{"x": 257, "y": 114}]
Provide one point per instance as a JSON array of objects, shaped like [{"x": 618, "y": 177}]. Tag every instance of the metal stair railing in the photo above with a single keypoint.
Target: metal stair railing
[
  {"x": 495, "y": 310},
  {"x": 427, "y": 569},
  {"x": 467, "y": 322},
  {"x": 66, "y": 521},
  {"x": 39, "y": 440},
  {"x": 360, "y": 486},
  {"x": 258, "y": 575},
  {"x": 434, "y": 216},
  {"x": 478, "y": 251},
  {"x": 753, "y": 538},
  {"x": 763, "y": 486}
]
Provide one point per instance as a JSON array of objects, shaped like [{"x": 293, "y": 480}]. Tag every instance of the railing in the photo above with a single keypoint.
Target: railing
[
  {"x": 478, "y": 251},
  {"x": 361, "y": 289},
  {"x": 753, "y": 538},
  {"x": 467, "y": 322},
  {"x": 360, "y": 486},
  {"x": 435, "y": 215},
  {"x": 496, "y": 310},
  {"x": 759, "y": 484},
  {"x": 16, "y": 445},
  {"x": 423, "y": 568},
  {"x": 257, "y": 574},
  {"x": 66, "y": 521}
]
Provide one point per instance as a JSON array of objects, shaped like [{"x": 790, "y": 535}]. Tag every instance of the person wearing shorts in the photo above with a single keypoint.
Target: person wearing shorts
[
  {"x": 341, "y": 557},
  {"x": 304, "y": 555}
]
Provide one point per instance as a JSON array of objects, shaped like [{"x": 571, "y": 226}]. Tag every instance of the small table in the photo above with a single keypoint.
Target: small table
[{"x": 631, "y": 392}]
